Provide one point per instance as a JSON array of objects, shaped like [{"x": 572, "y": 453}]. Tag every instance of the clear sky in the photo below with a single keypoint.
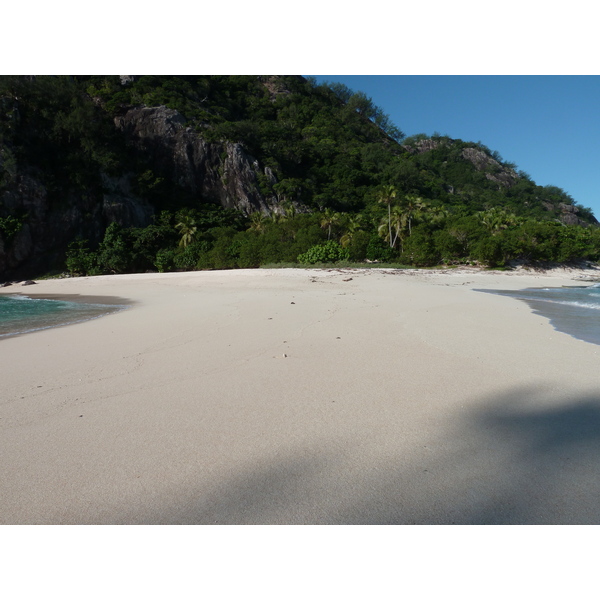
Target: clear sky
[{"x": 549, "y": 126}]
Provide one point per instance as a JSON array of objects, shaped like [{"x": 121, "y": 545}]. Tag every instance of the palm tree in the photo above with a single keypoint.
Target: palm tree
[
  {"x": 330, "y": 217},
  {"x": 354, "y": 225},
  {"x": 385, "y": 231},
  {"x": 392, "y": 229},
  {"x": 435, "y": 214},
  {"x": 497, "y": 219},
  {"x": 412, "y": 205},
  {"x": 399, "y": 219},
  {"x": 387, "y": 196},
  {"x": 257, "y": 221},
  {"x": 289, "y": 209},
  {"x": 278, "y": 217},
  {"x": 187, "y": 228}
]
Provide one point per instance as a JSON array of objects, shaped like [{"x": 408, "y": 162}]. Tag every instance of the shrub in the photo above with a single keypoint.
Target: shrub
[
  {"x": 114, "y": 254},
  {"x": 379, "y": 250},
  {"x": 80, "y": 259},
  {"x": 490, "y": 252},
  {"x": 250, "y": 254},
  {"x": 165, "y": 260},
  {"x": 359, "y": 245},
  {"x": 187, "y": 258},
  {"x": 420, "y": 250},
  {"x": 449, "y": 247},
  {"x": 329, "y": 252}
]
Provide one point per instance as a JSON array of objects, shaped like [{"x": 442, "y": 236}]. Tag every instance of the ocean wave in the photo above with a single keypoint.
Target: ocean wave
[
  {"x": 16, "y": 297},
  {"x": 592, "y": 305},
  {"x": 578, "y": 303}
]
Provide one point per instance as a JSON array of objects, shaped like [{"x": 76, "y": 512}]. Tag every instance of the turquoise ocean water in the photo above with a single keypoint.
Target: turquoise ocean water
[
  {"x": 21, "y": 314},
  {"x": 572, "y": 310}
]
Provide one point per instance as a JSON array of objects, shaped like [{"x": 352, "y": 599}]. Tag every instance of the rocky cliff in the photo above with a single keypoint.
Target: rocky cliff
[{"x": 219, "y": 173}]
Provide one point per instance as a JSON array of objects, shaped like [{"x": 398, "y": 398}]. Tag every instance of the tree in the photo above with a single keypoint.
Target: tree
[
  {"x": 289, "y": 209},
  {"x": 80, "y": 260},
  {"x": 497, "y": 219},
  {"x": 435, "y": 215},
  {"x": 362, "y": 104},
  {"x": 392, "y": 229},
  {"x": 420, "y": 248},
  {"x": 411, "y": 206},
  {"x": 257, "y": 222},
  {"x": 187, "y": 228},
  {"x": 354, "y": 225},
  {"x": 399, "y": 219},
  {"x": 114, "y": 253},
  {"x": 387, "y": 196},
  {"x": 9, "y": 227},
  {"x": 330, "y": 217}
]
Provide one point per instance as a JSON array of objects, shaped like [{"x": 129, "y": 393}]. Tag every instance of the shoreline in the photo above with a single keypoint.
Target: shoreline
[
  {"x": 103, "y": 305},
  {"x": 80, "y": 298},
  {"x": 276, "y": 396}
]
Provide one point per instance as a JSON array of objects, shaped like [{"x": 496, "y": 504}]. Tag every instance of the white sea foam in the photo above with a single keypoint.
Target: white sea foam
[
  {"x": 592, "y": 305},
  {"x": 582, "y": 304}
]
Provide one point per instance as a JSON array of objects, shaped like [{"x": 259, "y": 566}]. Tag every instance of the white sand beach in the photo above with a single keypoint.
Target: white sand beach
[{"x": 301, "y": 397}]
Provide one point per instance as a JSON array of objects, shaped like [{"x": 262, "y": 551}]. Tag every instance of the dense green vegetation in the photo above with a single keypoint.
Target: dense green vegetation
[
  {"x": 347, "y": 183},
  {"x": 420, "y": 237}
]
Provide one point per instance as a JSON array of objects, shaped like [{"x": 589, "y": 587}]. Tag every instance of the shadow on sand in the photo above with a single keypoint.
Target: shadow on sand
[{"x": 508, "y": 462}]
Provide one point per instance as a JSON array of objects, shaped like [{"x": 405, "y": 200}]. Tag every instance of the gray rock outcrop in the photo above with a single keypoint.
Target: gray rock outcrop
[
  {"x": 121, "y": 205},
  {"x": 494, "y": 171},
  {"x": 48, "y": 226},
  {"x": 222, "y": 173},
  {"x": 568, "y": 214}
]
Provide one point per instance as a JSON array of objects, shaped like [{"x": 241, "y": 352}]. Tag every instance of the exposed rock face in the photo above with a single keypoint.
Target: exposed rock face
[
  {"x": 121, "y": 205},
  {"x": 221, "y": 172},
  {"x": 494, "y": 170},
  {"x": 275, "y": 87},
  {"x": 47, "y": 228},
  {"x": 569, "y": 215},
  {"x": 127, "y": 79},
  {"x": 423, "y": 146}
]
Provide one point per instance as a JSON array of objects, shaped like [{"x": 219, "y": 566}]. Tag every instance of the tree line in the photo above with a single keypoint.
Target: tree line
[{"x": 400, "y": 229}]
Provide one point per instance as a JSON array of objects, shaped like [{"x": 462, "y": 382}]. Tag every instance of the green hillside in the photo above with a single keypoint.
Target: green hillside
[{"x": 124, "y": 174}]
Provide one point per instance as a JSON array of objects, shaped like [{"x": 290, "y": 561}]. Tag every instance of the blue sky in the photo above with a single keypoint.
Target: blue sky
[{"x": 548, "y": 125}]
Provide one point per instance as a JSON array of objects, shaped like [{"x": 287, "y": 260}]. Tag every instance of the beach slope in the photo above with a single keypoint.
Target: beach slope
[{"x": 301, "y": 397}]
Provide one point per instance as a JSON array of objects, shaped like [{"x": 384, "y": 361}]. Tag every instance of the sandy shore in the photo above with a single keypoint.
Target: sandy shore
[{"x": 301, "y": 397}]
